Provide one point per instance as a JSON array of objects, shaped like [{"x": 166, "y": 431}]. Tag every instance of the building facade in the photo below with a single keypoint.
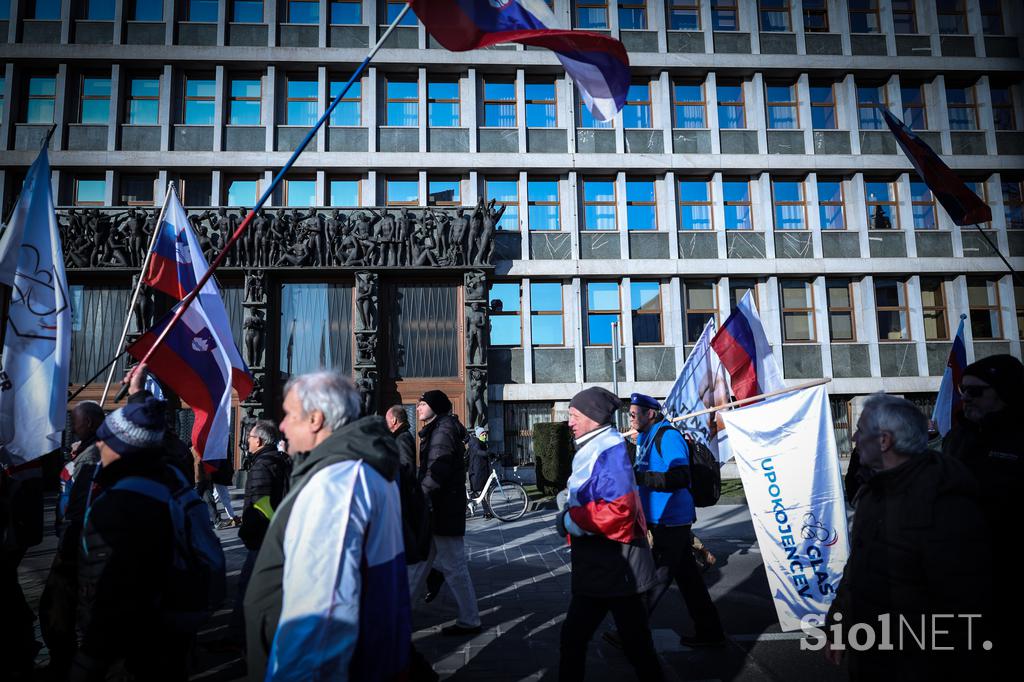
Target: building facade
[{"x": 750, "y": 156}]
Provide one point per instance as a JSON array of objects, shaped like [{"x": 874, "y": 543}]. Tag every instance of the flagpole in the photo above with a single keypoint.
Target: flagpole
[
  {"x": 135, "y": 294},
  {"x": 1016, "y": 275},
  {"x": 191, "y": 296}
]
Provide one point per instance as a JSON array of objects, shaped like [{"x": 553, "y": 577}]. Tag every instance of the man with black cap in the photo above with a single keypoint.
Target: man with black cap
[
  {"x": 443, "y": 479},
  {"x": 663, "y": 475},
  {"x": 988, "y": 437},
  {"x": 612, "y": 566},
  {"x": 127, "y": 547}
]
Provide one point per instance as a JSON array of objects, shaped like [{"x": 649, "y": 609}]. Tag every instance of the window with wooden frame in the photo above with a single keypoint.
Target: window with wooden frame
[
  {"x": 541, "y": 104},
  {"x": 1002, "y": 109},
  {"x": 505, "y": 320},
  {"x": 775, "y": 16},
  {"x": 402, "y": 191},
  {"x": 196, "y": 190},
  {"x": 904, "y": 16},
  {"x": 1013, "y": 205},
  {"x": 815, "y": 16},
  {"x": 587, "y": 119},
  {"x": 505, "y": 192},
  {"x": 599, "y": 204},
  {"x": 933, "y": 309},
  {"x": 443, "y": 103},
  {"x": 641, "y": 204},
  {"x": 684, "y": 15},
  {"x": 241, "y": 190},
  {"x": 962, "y": 105},
  {"x": 731, "y": 106},
  {"x": 301, "y": 101},
  {"x": 831, "y": 204},
  {"x": 245, "y": 104},
  {"x": 603, "y": 308},
  {"x": 881, "y": 204},
  {"x": 349, "y": 112},
  {"x": 637, "y": 111},
  {"x": 915, "y": 111},
  {"x": 841, "y": 315},
  {"x": 694, "y": 198},
  {"x": 992, "y": 18},
  {"x": 700, "y": 301},
  {"x": 136, "y": 190},
  {"x": 980, "y": 188},
  {"x": 542, "y": 204},
  {"x": 645, "y": 300},
  {"x": 690, "y": 105},
  {"x": 300, "y": 192},
  {"x": 983, "y": 304},
  {"x": 869, "y": 99},
  {"x": 736, "y": 196},
  {"x": 891, "y": 309},
  {"x": 725, "y": 15},
  {"x": 864, "y": 16},
  {"x": 90, "y": 190},
  {"x": 952, "y": 15},
  {"x": 591, "y": 13},
  {"x": 922, "y": 206},
  {"x": 346, "y": 12},
  {"x": 499, "y": 103},
  {"x": 823, "y": 106},
  {"x": 39, "y": 102},
  {"x": 789, "y": 204},
  {"x": 444, "y": 191},
  {"x": 344, "y": 192},
  {"x": 402, "y": 106},
  {"x": 738, "y": 288},
  {"x": 143, "y": 103},
  {"x": 546, "y": 318},
  {"x": 797, "y": 298},
  {"x": 783, "y": 109},
  {"x": 94, "y": 106},
  {"x": 633, "y": 14},
  {"x": 199, "y": 105}
]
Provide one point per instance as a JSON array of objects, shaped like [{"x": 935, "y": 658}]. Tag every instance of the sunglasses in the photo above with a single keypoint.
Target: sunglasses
[{"x": 974, "y": 391}]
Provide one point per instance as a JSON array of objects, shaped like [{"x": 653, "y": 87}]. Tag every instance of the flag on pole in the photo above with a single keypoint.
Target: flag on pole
[
  {"x": 702, "y": 383},
  {"x": 598, "y": 64},
  {"x": 176, "y": 265},
  {"x": 962, "y": 205},
  {"x": 745, "y": 352},
  {"x": 37, "y": 341},
  {"x": 947, "y": 404},
  {"x": 786, "y": 454}
]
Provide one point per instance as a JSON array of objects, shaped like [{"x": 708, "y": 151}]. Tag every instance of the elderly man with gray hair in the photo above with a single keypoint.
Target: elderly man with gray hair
[
  {"x": 334, "y": 543},
  {"x": 919, "y": 555}
]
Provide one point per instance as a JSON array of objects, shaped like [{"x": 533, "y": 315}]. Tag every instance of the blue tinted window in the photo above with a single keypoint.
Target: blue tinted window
[
  {"x": 44, "y": 9},
  {"x": 303, "y": 12},
  {"x": 506, "y": 193},
  {"x": 542, "y": 197},
  {"x": 344, "y": 192},
  {"x": 245, "y": 106},
  {"x": 242, "y": 192},
  {"x": 95, "y": 100},
  {"x": 504, "y": 319},
  {"x": 202, "y": 10},
  {"x": 394, "y": 7},
  {"x": 541, "y": 110},
  {"x": 247, "y": 11},
  {"x": 147, "y": 10},
  {"x": 403, "y": 107},
  {"x": 443, "y": 103},
  {"x": 346, "y": 13},
  {"x": 443, "y": 192},
  {"x": 637, "y": 112},
  {"x": 403, "y": 191},
  {"x": 300, "y": 192},
  {"x": 546, "y": 317},
  {"x": 100, "y": 10},
  {"x": 199, "y": 102},
  {"x": 349, "y": 109},
  {"x": 90, "y": 191}
]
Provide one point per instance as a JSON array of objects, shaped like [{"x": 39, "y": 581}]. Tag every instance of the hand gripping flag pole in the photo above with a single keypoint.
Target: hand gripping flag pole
[{"x": 192, "y": 295}]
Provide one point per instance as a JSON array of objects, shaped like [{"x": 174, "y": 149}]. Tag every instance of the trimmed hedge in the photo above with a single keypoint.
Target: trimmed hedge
[{"x": 552, "y": 452}]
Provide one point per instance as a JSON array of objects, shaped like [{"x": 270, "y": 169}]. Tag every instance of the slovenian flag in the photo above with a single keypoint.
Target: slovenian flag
[
  {"x": 962, "y": 205},
  {"x": 597, "y": 63},
  {"x": 743, "y": 348},
  {"x": 603, "y": 497},
  {"x": 947, "y": 404}
]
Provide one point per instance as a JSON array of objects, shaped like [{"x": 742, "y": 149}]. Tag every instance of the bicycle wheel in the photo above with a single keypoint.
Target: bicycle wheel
[{"x": 507, "y": 500}]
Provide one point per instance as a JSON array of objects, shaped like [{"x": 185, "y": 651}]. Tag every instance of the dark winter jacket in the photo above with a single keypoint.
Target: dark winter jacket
[
  {"x": 268, "y": 478},
  {"x": 917, "y": 548},
  {"x": 415, "y": 512},
  {"x": 366, "y": 439},
  {"x": 175, "y": 451},
  {"x": 479, "y": 463},
  {"x": 443, "y": 474},
  {"x": 125, "y": 556}
]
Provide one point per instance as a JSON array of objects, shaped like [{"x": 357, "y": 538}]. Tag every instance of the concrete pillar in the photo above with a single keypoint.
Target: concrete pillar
[
  {"x": 166, "y": 97},
  {"x": 711, "y": 97},
  {"x": 421, "y": 93},
  {"x": 576, "y": 312},
  {"x": 520, "y": 91},
  {"x": 323, "y": 89},
  {"x": 668, "y": 212},
  {"x": 915, "y": 310},
  {"x": 370, "y": 99},
  {"x": 628, "y": 369},
  {"x": 821, "y": 332},
  {"x": 527, "y": 319},
  {"x": 269, "y": 106},
  {"x": 470, "y": 86},
  {"x": 755, "y": 113},
  {"x": 869, "y": 323},
  {"x": 61, "y": 108},
  {"x": 220, "y": 105},
  {"x": 116, "y": 82}
]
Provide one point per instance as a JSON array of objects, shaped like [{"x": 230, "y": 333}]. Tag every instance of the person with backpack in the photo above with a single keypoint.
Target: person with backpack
[
  {"x": 128, "y": 577},
  {"x": 663, "y": 473}
]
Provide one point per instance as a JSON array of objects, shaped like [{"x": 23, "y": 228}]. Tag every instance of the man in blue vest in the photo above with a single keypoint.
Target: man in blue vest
[{"x": 663, "y": 475}]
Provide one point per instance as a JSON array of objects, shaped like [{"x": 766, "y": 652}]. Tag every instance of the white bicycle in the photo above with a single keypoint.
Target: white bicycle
[{"x": 505, "y": 499}]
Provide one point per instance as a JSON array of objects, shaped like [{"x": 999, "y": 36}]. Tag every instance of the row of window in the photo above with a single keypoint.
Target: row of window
[
  {"x": 865, "y": 16},
  {"x": 498, "y": 109},
  {"x": 600, "y": 208},
  {"x": 798, "y": 306}
]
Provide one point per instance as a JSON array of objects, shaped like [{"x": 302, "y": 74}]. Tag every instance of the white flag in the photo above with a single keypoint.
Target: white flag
[
  {"x": 37, "y": 341},
  {"x": 786, "y": 454}
]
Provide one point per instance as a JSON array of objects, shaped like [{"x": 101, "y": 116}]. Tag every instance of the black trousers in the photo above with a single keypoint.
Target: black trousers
[
  {"x": 672, "y": 553},
  {"x": 585, "y": 615}
]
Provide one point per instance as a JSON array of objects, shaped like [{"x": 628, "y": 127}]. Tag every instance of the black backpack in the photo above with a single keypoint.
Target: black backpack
[{"x": 705, "y": 474}]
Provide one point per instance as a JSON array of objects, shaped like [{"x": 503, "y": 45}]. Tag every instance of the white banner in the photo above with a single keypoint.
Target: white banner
[{"x": 786, "y": 454}]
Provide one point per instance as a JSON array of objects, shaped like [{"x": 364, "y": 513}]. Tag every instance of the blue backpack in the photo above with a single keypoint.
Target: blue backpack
[{"x": 197, "y": 583}]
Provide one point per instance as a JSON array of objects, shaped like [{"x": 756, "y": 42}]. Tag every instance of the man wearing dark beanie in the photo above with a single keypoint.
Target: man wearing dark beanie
[{"x": 988, "y": 437}]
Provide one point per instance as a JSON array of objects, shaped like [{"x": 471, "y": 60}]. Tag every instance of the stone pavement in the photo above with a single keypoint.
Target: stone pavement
[{"x": 521, "y": 574}]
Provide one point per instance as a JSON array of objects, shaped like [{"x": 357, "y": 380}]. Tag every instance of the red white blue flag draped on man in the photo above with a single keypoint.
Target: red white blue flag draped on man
[
  {"x": 603, "y": 497},
  {"x": 198, "y": 360},
  {"x": 597, "y": 64}
]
